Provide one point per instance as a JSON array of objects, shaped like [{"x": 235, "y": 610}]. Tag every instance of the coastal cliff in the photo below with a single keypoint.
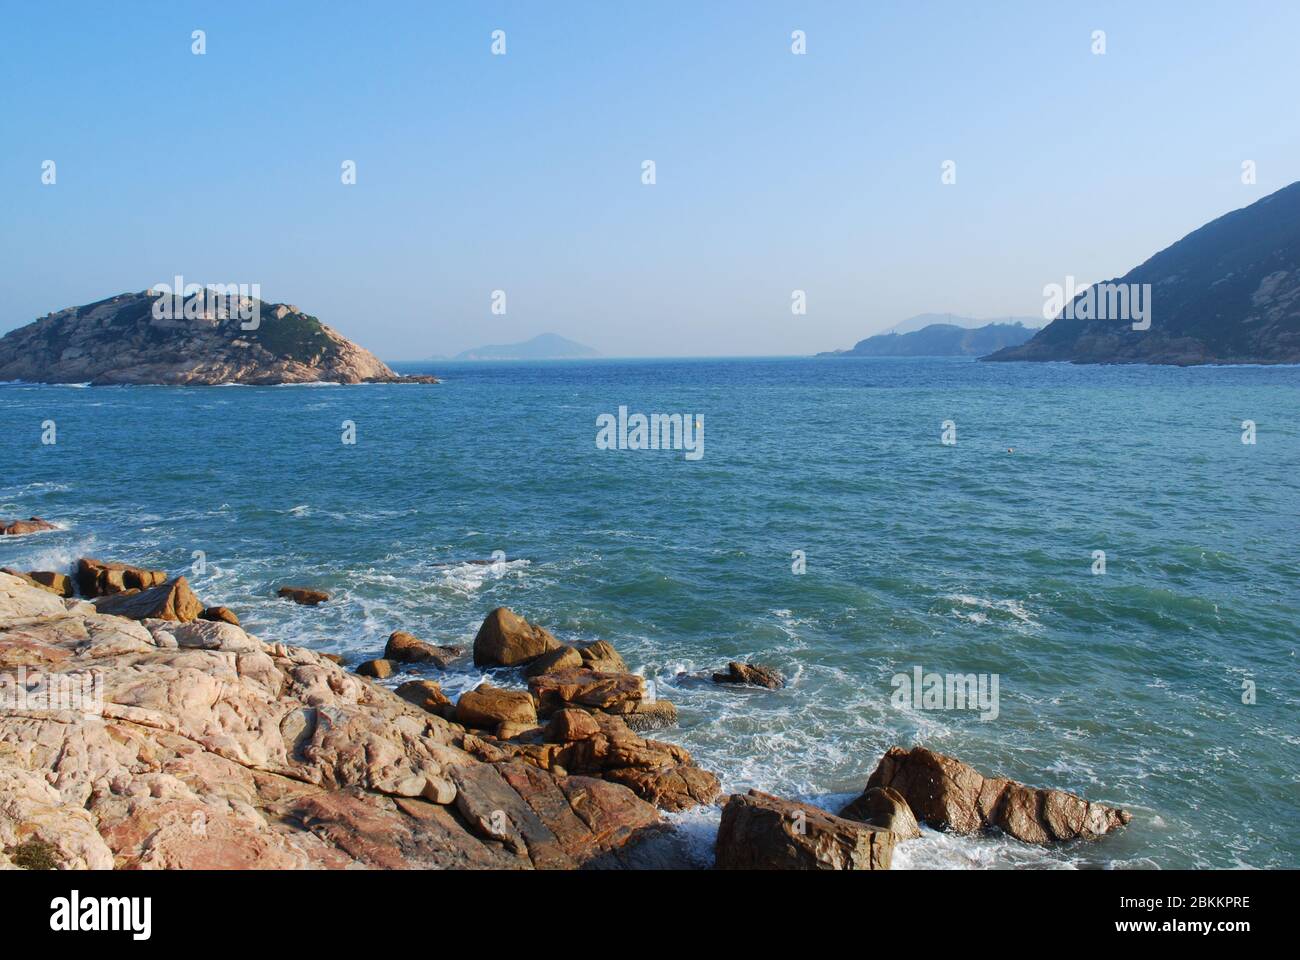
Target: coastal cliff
[{"x": 121, "y": 340}]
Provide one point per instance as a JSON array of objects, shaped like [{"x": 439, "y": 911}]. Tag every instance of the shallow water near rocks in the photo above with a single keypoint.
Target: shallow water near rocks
[{"x": 1125, "y": 688}]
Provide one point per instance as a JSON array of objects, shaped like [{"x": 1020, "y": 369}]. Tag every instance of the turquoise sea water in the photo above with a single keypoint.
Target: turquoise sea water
[{"x": 1124, "y": 687}]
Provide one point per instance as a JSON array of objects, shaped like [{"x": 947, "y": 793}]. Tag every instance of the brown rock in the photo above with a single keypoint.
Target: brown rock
[
  {"x": 221, "y": 614},
  {"x": 376, "y": 669},
  {"x": 486, "y": 706},
  {"x": 611, "y": 692},
  {"x": 425, "y": 694},
  {"x": 601, "y": 656},
  {"x": 304, "y": 595},
  {"x": 950, "y": 795},
  {"x": 506, "y": 639},
  {"x": 565, "y": 658},
  {"x": 750, "y": 674},
  {"x": 407, "y": 648},
  {"x": 59, "y": 584},
  {"x": 569, "y": 725},
  {"x": 18, "y": 528},
  {"x": 514, "y": 730},
  {"x": 762, "y": 832},
  {"x": 651, "y": 716},
  {"x": 674, "y": 788},
  {"x": 884, "y": 807},
  {"x": 174, "y": 600},
  {"x": 95, "y": 578}
]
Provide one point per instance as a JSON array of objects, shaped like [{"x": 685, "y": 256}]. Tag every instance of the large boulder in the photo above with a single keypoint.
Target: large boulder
[
  {"x": 601, "y": 656},
  {"x": 562, "y": 658},
  {"x": 762, "y": 832},
  {"x": 610, "y": 692},
  {"x": 507, "y": 640},
  {"x": 97, "y": 578},
  {"x": 950, "y": 795},
  {"x": 407, "y": 648},
  {"x": 570, "y": 725},
  {"x": 425, "y": 694},
  {"x": 18, "y": 528},
  {"x": 486, "y": 707},
  {"x": 174, "y": 600},
  {"x": 886, "y": 808},
  {"x": 751, "y": 675}
]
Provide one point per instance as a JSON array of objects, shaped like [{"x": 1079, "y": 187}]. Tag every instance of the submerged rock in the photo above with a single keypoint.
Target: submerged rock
[
  {"x": 950, "y": 795},
  {"x": 750, "y": 674},
  {"x": 762, "y": 832},
  {"x": 407, "y": 648},
  {"x": 18, "y": 528},
  {"x": 303, "y": 595},
  {"x": 507, "y": 640}
]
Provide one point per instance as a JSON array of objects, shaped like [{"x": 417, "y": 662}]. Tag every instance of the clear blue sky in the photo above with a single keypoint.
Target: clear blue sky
[{"x": 775, "y": 172}]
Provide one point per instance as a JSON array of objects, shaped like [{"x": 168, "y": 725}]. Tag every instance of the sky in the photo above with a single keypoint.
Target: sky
[{"x": 523, "y": 172}]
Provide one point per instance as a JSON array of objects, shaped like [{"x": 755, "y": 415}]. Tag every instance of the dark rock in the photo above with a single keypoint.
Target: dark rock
[
  {"x": 950, "y": 795},
  {"x": 304, "y": 595},
  {"x": 750, "y": 674},
  {"x": 407, "y": 648},
  {"x": 220, "y": 614},
  {"x": 95, "y": 578},
  {"x": 762, "y": 832}
]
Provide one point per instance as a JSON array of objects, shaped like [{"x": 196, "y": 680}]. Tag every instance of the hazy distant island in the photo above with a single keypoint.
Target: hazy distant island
[
  {"x": 1228, "y": 292},
  {"x": 123, "y": 340},
  {"x": 545, "y": 346},
  {"x": 961, "y": 338}
]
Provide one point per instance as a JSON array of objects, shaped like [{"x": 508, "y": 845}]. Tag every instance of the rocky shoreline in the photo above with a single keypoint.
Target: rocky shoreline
[{"x": 189, "y": 743}]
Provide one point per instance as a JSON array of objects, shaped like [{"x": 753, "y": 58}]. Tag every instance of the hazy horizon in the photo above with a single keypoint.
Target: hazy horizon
[{"x": 522, "y": 172}]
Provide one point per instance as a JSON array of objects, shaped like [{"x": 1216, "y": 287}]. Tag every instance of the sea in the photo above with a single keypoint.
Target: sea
[{"x": 1114, "y": 545}]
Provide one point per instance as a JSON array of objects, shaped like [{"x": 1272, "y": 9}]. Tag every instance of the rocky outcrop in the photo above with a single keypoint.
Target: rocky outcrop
[
  {"x": 303, "y": 595},
  {"x": 122, "y": 340},
  {"x": 95, "y": 578},
  {"x": 19, "y": 528},
  {"x": 752, "y": 675},
  {"x": 1228, "y": 292},
  {"x": 950, "y": 795},
  {"x": 508, "y": 640},
  {"x": 886, "y": 808},
  {"x": 762, "y": 832},
  {"x": 174, "y": 600},
  {"x": 405, "y": 647},
  {"x": 610, "y": 692},
  {"x": 199, "y": 746}
]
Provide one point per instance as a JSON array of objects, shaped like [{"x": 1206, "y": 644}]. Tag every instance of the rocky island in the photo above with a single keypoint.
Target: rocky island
[
  {"x": 122, "y": 340},
  {"x": 140, "y": 728},
  {"x": 939, "y": 340},
  {"x": 1228, "y": 292}
]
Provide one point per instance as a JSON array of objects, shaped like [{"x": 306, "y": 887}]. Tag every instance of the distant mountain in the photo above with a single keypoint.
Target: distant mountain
[
  {"x": 546, "y": 346},
  {"x": 923, "y": 320},
  {"x": 125, "y": 340},
  {"x": 1228, "y": 292},
  {"x": 939, "y": 340}
]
